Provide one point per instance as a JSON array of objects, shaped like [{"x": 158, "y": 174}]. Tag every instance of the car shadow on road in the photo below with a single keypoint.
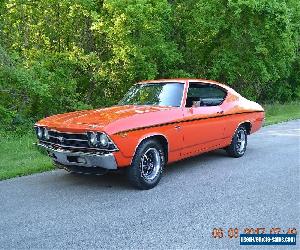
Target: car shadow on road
[
  {"x": 193, "y": 162},
  {"x": 117, "y": 180},
  {"x": 109, "y": 180}
]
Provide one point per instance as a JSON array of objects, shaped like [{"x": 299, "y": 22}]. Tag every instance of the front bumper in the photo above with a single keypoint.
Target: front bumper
[{"x": 81, "y": 159}]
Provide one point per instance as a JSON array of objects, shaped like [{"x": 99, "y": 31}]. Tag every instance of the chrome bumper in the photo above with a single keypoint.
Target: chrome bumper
[{"x": 68, "y": 158}]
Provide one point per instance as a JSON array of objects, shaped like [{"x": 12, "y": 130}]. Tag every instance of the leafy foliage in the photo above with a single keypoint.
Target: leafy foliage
[{"x": 58, "y": 56}]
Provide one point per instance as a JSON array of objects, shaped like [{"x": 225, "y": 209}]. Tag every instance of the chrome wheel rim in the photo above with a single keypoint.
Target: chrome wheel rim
[
  {"x": 241, "y": 141},
  {"x": 150, "y": 164}
]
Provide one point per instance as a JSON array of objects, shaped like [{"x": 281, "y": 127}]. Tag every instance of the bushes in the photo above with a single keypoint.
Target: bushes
[
  {"x": 57, "y": 56},
  {"x": 44, "y": 86}
]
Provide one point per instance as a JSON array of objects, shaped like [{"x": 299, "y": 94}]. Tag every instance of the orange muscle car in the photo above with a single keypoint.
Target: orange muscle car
[{"x": 157, "y": 122}]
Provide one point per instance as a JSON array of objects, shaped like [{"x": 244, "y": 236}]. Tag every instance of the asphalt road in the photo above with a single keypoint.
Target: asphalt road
[{"x": 61, "y": 210}]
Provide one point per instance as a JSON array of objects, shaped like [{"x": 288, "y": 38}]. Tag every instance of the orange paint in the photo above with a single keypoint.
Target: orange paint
[{"x": 188, "y": 131}]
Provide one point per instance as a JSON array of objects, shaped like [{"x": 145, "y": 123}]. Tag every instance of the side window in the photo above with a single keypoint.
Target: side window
[{"x": 204, "y": 95}]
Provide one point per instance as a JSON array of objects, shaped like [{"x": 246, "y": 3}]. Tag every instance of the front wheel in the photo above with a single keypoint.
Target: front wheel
[
  {"x": 147, "y": 165},
  {"x": 238, "y": 145}
]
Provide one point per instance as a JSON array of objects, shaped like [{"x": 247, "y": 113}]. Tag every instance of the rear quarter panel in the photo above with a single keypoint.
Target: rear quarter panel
[{"x": 237, "y": 110}]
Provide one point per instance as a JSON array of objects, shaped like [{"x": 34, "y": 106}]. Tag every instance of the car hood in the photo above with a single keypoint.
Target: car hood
[{"x": 98, "y": 118}]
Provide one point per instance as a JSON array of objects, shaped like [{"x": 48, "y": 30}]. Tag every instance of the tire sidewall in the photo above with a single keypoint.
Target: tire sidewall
[{"x": 135, "y": 168}]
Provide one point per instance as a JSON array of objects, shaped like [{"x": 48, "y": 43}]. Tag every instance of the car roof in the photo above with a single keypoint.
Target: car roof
[{"x": 183, "y": 80}]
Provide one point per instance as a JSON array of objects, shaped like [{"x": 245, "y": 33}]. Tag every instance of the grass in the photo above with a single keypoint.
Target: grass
[
  {"x": 18, "y": 155},
  {"x": 277, "y": 112}
]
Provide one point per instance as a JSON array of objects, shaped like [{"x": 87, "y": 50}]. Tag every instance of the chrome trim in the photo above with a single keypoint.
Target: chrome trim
[
  {"x": 215, "y": 85},
  {"x": 60, "y": 156},
  {"x": 74, "y": 147},
  {"x": 184, "y": 94},
  {"x": 69, "y": 133},
  {"x": 151, "y": 168},
  {"x": 65, "y": 150},
  {"x": 66, "y": 138},
  {"x": 162, "y": 81},
  {"x": 54, "y": 130},
  {"x": 242, "y": 141}
]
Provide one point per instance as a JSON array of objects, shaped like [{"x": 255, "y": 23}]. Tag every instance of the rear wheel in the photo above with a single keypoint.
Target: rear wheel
[
  {"x": 147, "y": 165},
  {"x": 238, "y": 145}
]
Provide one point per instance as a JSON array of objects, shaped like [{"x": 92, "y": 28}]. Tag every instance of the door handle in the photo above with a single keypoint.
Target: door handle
[
  {"x": 177, "y": 127},
  {"x": 220, "y": 112}
]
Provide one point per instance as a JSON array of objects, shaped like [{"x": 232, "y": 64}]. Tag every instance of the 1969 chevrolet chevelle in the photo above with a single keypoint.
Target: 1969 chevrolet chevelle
[{"x": 156, "y": 123}]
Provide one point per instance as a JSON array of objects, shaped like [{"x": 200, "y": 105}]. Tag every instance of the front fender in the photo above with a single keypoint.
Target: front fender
[{"x": 127, "y": 142}]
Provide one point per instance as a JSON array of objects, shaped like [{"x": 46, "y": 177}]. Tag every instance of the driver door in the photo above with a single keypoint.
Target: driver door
[{"x": 204, "y": 126}]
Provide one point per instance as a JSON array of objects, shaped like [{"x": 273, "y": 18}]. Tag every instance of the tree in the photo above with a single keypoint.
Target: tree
[
  {"x": 246, "y": 43},
  {"x": 63, "y": 55}
]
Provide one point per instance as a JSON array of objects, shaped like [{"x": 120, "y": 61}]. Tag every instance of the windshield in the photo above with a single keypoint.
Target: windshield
[{"x": 161, "y": 94}]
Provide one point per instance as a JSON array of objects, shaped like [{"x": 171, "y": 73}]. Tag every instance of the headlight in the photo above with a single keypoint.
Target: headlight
[
  {"x": 100, "y": 140},
  {"x": 42, "y": 133},
  {"x": 104, "y": 140},
  {"x": 93, "y": 139},
  {"x": 46, "y": 134},
  {"x": 39, "y": 133}
]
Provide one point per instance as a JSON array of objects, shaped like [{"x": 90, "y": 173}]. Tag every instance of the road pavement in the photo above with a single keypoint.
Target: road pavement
[{"x": 61, "y": 210}]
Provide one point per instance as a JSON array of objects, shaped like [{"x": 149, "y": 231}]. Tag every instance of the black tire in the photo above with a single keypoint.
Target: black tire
[
  {"x": 135, "y": 173},
  {"x": 234, "y": 149}
]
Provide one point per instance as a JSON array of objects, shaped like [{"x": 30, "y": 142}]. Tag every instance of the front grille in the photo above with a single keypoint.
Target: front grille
[
  {"x": 68, "y": 136},
  {"x": 74, "y": 142},
  {"x": 68, "y": 139}
]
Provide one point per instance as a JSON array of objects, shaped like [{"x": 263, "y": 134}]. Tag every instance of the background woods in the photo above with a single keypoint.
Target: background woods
[{"x": 58, "y": 56}]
